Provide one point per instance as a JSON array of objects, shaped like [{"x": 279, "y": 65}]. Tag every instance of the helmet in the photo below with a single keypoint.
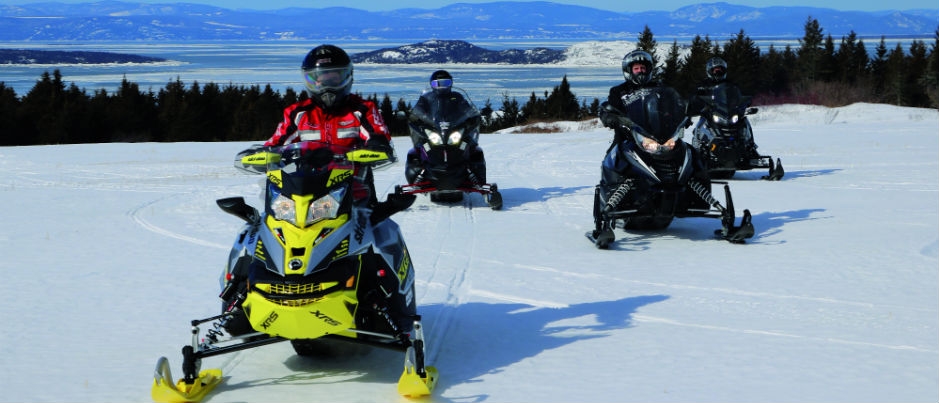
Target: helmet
[
  {"x": 637, "y": 56},
  {"x": 441, "y": 81},
  {"x": 327, "y": 71},
  {"x": 716, "y": 69}
]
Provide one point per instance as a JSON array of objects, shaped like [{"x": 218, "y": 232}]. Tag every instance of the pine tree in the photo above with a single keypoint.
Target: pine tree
[
  {"x": 743, "y": 62},
  {"x": 9, "y": 105},
  {"x": 930, "y": 80},
  {"x": 810, "y": 51}
]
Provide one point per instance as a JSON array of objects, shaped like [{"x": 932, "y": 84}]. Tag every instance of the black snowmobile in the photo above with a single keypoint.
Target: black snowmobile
[
  {"x": 653, "y": 177},
  {"x": 446, "y": 160},
  {"x": 320, "y": 265},
  {"x": 723, "y": 135}
]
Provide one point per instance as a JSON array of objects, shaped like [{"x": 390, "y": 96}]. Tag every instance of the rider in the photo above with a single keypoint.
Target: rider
[
  {"x": 637, "y": 71},
  {"x": 441, "y": 98},
  {"x": 716, "y": 70},
  {"x": 332, "y": 114}
]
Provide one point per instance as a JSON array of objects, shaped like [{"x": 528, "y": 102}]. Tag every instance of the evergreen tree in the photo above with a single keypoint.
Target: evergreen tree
[
  {"x": 930, "y": 80},
  {"x": 673, "y": 65},
  {"x": 743, "y": 62},
  {"x": 810, "y": 51},
  {"x": 693, "y": 69},
  {"x": 562, "y": 103},
  {"x": 171, "y": 103},
  {"x": 9, "y": 105},
  {"x": 647, "y": 43},
  {"x": 878, "y": 69},
  {"x": 131, "y": 114},
  {"x": 827, "y": 64},
  {"x": 41, "y": 111},
  {"x": 916, "y": 70},
  {"x": 851, "y": 59},
  {"x": 774, "y": 73},
  {"x": 895, "y": 77},
  {"x": 76, "y": 110}
]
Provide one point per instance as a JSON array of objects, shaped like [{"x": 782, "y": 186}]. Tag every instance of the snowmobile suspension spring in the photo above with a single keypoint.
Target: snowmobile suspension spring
[
  {"x": 216, "y": 331},
  {"x": 472, "y": 177},
  {"x": 704, "y": 193},
  {"x": 618, "y": 195}
]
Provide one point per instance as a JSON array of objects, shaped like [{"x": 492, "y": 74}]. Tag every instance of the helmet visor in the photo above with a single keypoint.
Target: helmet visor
[
  {"x": 322, "y": 79},
  {"x": 441, "y": 83}
]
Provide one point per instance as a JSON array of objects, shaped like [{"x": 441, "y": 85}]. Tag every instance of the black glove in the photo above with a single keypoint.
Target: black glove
[
  {"x": 378, "y": 143},
  {"x": 608, "y": 119}
]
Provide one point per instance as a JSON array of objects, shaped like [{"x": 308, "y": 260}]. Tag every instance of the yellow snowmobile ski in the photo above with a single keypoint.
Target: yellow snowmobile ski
[
  {"x": 164, "y": 391},
  {"x": 413, "y": 385}
]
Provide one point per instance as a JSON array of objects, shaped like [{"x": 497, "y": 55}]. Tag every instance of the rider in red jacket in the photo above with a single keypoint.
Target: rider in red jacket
[{"x": 333, "y": 114}]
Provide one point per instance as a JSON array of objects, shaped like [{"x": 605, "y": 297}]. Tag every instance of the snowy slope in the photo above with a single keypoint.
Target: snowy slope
[{"x": 109, "y": 250}]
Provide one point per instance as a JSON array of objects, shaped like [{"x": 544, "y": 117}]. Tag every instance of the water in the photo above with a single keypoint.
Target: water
[{"x": 277, "y": 63}]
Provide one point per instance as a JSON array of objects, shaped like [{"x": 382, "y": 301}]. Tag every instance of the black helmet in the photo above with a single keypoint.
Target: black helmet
[
  {"x": 441, "y": 81},
  {"x": 716, "y": 69},
  {"x": 327, "y": 71},
  {"x": 637, "y": 56}
]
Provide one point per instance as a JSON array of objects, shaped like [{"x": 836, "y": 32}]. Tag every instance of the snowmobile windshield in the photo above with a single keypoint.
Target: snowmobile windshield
[
  {"x": 445, "y": 110},
  {"x": 447, "y": 118},
  {"x": 310, "y": 157},
  {"x": 727, "y": 100},
  {"x": 659, "y": 117}
]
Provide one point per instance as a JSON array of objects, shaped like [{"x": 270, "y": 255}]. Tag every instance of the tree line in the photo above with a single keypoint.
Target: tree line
[{"x": 818, "y": 72}]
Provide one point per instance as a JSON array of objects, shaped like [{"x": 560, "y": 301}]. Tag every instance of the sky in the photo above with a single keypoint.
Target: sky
[
  {"x": 109, "y": 250},
  {"x": 612, "y": 5}
]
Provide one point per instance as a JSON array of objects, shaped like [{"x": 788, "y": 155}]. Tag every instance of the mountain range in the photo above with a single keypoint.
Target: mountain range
[{"x": 127, "y": 21}]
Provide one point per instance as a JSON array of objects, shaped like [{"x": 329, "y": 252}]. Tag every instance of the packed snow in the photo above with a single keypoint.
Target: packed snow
[{"x": 111, "y": 249}]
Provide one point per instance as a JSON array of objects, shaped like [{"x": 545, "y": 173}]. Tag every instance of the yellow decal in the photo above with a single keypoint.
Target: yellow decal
[
  {"x": 366, "y": 156},
  {"x": 259, "y": 251},
  {"x": 274, "y": 177},
  {"x": 338, "y": 175},
  {"x": 405, "y": 265},
  {"x": 260, "y": 158},
  {"x": 342, "y": 249}
]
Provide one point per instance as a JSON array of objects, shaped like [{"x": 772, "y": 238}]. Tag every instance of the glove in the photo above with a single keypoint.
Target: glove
[
  {"x": 609, "y": 119},
  {"x": 378, "y": 143}
]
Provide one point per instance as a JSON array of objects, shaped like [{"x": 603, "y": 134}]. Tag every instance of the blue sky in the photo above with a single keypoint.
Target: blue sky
[{"x": 614, "y": 5}]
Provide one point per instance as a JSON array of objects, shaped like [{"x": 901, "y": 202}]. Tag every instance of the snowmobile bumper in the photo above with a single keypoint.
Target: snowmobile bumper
[
  {"x": 290, "y": 318},
  {"x": 489, "y": 190}
]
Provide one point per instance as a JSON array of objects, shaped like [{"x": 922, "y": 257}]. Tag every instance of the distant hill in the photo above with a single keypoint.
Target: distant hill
[
  {"x": 127, "y": 21},
  {"x": 26, "y": 56},
  {"x": 437, "y": 51}
]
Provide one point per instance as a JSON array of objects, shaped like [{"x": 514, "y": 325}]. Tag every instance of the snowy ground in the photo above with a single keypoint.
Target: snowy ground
[{"x": 109, "y": 250}]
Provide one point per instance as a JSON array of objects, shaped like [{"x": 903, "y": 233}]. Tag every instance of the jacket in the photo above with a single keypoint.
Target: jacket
[{"x": 306, "y": 120}]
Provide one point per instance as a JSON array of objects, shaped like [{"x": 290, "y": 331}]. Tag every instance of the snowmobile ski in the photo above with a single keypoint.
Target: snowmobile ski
[
  {"x": 776, "y": 171},
  {"x": 165, "y": 391},
  {"x": 602, "y": 240}
]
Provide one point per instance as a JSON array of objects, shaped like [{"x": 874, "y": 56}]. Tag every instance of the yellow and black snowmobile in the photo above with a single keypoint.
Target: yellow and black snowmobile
[{"x": 322, "y": 263}]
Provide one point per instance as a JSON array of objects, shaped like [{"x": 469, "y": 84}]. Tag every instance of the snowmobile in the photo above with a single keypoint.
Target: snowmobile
[
  {"x": 724, "y": 137},
  {"x": 446, "y": 160},
  {"x": 323, "y": 263},
  {"x": 652, "y": 176}
]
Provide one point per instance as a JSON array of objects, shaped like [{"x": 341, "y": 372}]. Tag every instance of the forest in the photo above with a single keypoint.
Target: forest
[{"x": 819, "y": 71}]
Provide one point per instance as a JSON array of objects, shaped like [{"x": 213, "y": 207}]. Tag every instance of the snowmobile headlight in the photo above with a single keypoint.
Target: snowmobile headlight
[
  {"x": 284, "y": 209},
  {"x": 652, "y": 146},
  {"x": 326, "y": 207},
  {"x": 455, "y": 138},
  {"x": 716, "y": 118},
  {"x": 434, "y": 138}
]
